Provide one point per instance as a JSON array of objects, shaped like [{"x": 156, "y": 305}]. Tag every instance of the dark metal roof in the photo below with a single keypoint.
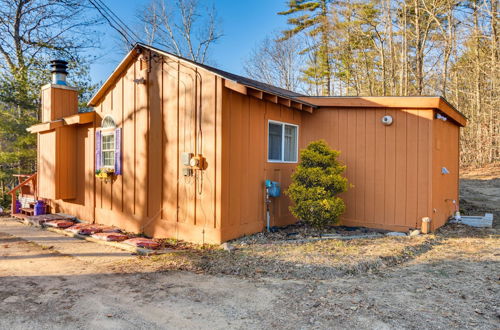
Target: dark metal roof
[{"x": 234, "y": 77}]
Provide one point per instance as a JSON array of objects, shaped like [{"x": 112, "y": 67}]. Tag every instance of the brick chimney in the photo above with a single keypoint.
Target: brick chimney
[{"x": 58, "y": 99}]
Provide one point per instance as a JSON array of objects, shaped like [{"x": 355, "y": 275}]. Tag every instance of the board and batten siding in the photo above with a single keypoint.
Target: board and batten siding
[
  {"x": 445, "y": 153},
  {"x": 46, "y": 164},
  {"x": 174, "y": 112},
  {"x": 57, "y": 102},
  {"x": 245, "y": 166},
  {"x": 177, "y": 110},
  {"x": 65, "y": 168},
  {"x": 389, "y": 167},
  {"x": 65, "y": 177}
]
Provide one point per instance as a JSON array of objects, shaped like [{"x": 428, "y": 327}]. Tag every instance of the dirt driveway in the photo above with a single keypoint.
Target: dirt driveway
[
  {"x": 448, "y": 280},
  {"x": 51, "y": 285}
]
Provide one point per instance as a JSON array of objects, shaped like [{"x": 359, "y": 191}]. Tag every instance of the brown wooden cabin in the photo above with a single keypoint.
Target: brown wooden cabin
[{"x": 158, "y": 110}]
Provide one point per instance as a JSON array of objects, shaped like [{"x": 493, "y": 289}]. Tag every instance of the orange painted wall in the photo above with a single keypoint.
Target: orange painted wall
[
  {"x": 56, "y": 161},
  {"x": 46, "y": 164},
  {"x": 58, "y": 101},
  {"x": 182, "y": 108},
  {"x": 57, "y": 176},
  {"x": 82, "y": 178},
  {"x": 445, "y": 153},
  {"x": 388, "y": 166},
  {"x": 177, "y": 110},
  {"x": 245, "y": 166}
]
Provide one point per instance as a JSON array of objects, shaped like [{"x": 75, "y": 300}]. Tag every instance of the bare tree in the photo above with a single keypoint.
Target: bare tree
[
  {"x": 412, "y": 47},
  {"x": 31, "y": 33},
  {"x": 442, "y": 13},
  {"x": 180, "y": 27},
  {"x": 277, "y": 62},
  {"x": 33, "y": 29}
]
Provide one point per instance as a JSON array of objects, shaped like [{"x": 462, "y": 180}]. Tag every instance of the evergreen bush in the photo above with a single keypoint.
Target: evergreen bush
[{"x": 316, "y": 183}]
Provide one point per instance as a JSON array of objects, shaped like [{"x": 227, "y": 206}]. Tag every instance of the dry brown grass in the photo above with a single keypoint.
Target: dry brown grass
[
  {"x": 325, "y": 258},
  {"x": 296, "y": 253}
]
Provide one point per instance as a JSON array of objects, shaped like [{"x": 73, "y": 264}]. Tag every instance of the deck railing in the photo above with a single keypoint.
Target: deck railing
[{"x": 26, "y": 186}]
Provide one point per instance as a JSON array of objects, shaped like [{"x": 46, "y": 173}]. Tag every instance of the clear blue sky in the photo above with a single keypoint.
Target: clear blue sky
[{"x": 244, "y": 23}]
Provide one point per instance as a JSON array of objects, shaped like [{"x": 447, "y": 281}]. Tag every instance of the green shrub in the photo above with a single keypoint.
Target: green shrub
[
  {"x": 5, "y": 201},
  {"x": 316, "y": 183}
]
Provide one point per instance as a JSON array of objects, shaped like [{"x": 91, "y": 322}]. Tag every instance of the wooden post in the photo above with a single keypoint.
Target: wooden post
[{"x": 13, "y": 204}]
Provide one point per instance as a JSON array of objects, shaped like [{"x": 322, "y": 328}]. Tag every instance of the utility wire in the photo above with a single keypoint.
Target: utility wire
[
  {"x": 114, "y": 18},
  {"x": 103, "y": 14},
  {"x": 112, "y": 22},
  {"x": 117, "y": 19}
]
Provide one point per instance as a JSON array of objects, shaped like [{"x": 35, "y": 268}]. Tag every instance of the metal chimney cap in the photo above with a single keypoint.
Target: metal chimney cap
[{"x": 59, "y": 66}]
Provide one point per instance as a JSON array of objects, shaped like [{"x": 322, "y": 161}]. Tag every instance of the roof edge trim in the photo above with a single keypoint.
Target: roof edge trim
[
  {"x": 398, "y": 102},
  {"x": 94, "y": 100}
]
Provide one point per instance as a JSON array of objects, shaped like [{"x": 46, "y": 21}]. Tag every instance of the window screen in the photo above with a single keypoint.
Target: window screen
[
  {"x": 283, "y": 141},
  {"x": 290, "y": 143},
  {"x": 275, "y": 142}
]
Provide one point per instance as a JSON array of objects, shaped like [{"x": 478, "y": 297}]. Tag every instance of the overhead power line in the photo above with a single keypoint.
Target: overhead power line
[
  {"x": 115, "y": 22},
  {"x": 126, "y": 26}
]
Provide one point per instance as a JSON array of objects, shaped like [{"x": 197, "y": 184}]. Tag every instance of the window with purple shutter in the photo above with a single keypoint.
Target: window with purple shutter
[{"x": 118, "y": 152}]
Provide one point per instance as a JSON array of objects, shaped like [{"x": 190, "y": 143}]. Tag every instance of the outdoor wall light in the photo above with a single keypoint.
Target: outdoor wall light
[{"x": 387, "y": 120}]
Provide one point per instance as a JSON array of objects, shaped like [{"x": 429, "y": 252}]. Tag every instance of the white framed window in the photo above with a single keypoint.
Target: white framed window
[
  {"x": 108, "y": 122},
  {"x": 108, "y": 149},
  {"x": 108, "y": 142},
  {"x": 282, "y": 142}
]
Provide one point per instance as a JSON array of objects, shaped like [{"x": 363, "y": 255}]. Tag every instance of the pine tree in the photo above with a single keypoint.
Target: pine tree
[
  {"x": 313, "y": 18},
  {"x": 316, "y": 183}
]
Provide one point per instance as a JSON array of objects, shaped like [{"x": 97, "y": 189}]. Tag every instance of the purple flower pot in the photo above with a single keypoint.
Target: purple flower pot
[
  {"x": 17, "y": 209},
  {"x": 39, "y": 208}
]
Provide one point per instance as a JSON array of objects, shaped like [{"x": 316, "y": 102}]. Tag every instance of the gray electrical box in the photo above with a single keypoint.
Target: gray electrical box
[{"x": 186, "y": 158}]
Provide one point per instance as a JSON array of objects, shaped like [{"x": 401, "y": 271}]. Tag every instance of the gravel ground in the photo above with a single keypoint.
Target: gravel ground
[
  {"x": 447, "y": 280},
  {"x": 453, "y": 284},
  {"x": 480, "y": 192}
]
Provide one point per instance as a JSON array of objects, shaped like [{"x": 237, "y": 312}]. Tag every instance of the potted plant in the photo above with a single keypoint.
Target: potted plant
[{"x": 106, "y": 174}]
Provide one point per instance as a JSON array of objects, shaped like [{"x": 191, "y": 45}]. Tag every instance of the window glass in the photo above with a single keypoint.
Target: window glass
[
  {"x": 275, "y": 141},
  {"x": 290, "y": 143},
  {"x": 283, "y": 142},
  {"x": 108, "y": 150},
  {"x": 108, "y": 122}
]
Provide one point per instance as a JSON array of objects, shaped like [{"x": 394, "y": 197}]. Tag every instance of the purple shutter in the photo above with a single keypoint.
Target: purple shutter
[
  {"x": 97, "y": 150},
  {"x": 118, "y": 151}
]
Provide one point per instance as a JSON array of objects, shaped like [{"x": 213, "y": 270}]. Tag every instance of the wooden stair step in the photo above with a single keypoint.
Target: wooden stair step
[{"x": 27, "y": 210}]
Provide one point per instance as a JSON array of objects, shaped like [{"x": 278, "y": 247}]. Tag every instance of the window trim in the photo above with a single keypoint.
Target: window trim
[
  {"x": 105, "y": 124},
  {"x": 108, "y": 132},
  {"x": 282, "y": 142}
]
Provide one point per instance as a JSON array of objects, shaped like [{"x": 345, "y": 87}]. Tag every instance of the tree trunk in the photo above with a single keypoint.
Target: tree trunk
[
  {"x": 403, "y": 88},
  {"x": 493, "y": 132},
  {"x": 391, "y": 48},
  {"x": 448, "y": 49},
  {"x": 419, "y": 56}
]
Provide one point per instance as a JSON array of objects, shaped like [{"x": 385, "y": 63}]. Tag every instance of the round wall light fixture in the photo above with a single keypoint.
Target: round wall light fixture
[{"x": 387, "y": 120}]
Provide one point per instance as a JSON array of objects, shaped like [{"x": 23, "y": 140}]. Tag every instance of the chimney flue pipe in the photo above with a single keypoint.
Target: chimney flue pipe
[{"x": 59, "y": 73}]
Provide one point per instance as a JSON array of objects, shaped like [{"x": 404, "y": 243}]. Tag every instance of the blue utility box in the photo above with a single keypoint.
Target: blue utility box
[{"x": 273, "y": 188}]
